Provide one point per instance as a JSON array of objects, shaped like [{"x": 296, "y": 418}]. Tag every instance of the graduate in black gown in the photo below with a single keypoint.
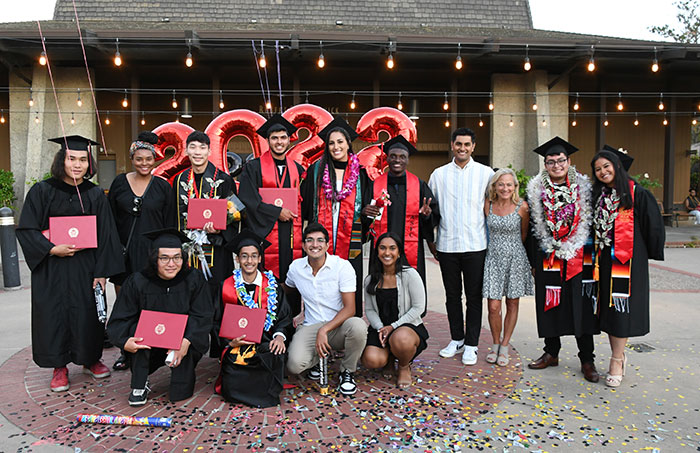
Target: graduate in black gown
[
  {"x": 413, "y": 213},
  {"x": 168, "y": 285},
  {"x": 243, "y": 361},
  {"x": 629, "y": 230},
  {"x": 206, "y": 250},
  {"x": 277, "y": 224},
  {"x": 65, "y": 325},
  {"x": 334, "y": 193},
  {"x": 140, "y": 202}
]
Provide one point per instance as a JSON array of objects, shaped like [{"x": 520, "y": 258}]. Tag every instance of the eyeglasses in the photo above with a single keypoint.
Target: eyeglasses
[
  {"x": 177, "y": 259},
  {"x": 136, "y": 210},
  {"x": 246, "y": 257},
  {"x": 309, "y": 241},
  {"x": 558, "y": 162}
]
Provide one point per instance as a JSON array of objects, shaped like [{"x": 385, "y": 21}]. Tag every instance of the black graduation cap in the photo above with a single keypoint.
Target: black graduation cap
[
  {"x": 625, "y": 159},
  {"x": 338, "y": 123},
  {"x": 555, "y": 146},
  {"x": 399, "y": 142},
  {"x": 276, "y": 123},
  {"x": 167, "y": 238},
  {"x": 75, "y": 142},
  {"x": 247, "y": 237}
]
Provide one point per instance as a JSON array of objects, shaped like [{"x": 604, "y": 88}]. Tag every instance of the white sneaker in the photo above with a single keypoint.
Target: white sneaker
[
  {"x": 469, "y": 355},
  {"x": 452, "y": 348}
]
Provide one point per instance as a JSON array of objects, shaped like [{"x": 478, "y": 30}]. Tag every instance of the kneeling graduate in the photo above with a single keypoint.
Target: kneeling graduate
[
  {"x": 252, "y": 372},
  {"x": 166, "y": 285}
]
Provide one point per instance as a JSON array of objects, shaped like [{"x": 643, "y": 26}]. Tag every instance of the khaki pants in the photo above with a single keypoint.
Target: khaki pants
[{"x": 351, "y": 336}]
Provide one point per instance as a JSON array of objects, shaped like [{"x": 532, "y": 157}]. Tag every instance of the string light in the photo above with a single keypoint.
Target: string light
[
  {"x": 262, "y": 61},
  {"x": 143, "y": 119},
  {"x": 79, "y": 101},
  {"x": 544, "y": 121},
  {"x": 510, "y": 123},
  {"x": 107, "y": 121},
  {"x": 36, "y": 118},
  {"x": 655, "y": 63},
  {"x": 221, "y": 99},
  {"x": 693, "y": 122},
  {"x": 526, "y": 64},
  {"x": 661, "y": 102},
  {"x": 400, "y": 104},
  {"x": 125, "y": 101},
  {"x": 307, "y": 98},
  {"x": 481, "y": 122},
  {"x": 174, "y": 102},
  {"x": 42, "y": 58},
  {"x": 636, "y": 120},
  {"x": 390, "y": 61},
  {"x": 117, "y": 56},
  {"x": 72, "y": 118},
  {"x": 490, "y": 101},
  {"x": 591, "y": 61},
  {"x": 321, "y": 63},
  {"x": 534, "y": 102},
  {"x": 665, "y": 121},
  {"x": 447, "y": 122},
  {"x": 31, "y": 98},
  {"x": 188, "y": 59},
  {"x": 620, "y": 105},
  {"x": 2, "y": 116},
  {"x": 576, "y": 104},
  {"x": 574, "y": 122},
  {"x": 352, "y": 103},
  {"x": 177, "y": 117},
  {"x": 446, "y": 105},
  {"x": 458, "y": 61},
  {"x": 268, "y": 105},
  {"x": 606, "y": 123}
]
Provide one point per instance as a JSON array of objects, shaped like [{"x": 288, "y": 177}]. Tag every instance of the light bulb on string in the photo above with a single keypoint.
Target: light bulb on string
[
  {"x": 125, "y": 101},
  {"x": 526, "y": 64},
  {"x": 574, "y": 122},
  {"x": 221, "y": 99},
  {"x": 31, "y": 98},
  {"x": 188, "y": 59},
  {"x": 694, "y": 121},
  {"x": 544, "y": 121},
  {"x": 606, "y": 123},
  {"x": 481, "y": 121},
  {"x": 491, "y": 101},
  {"x": 576, "y": 104},
  {"x": 174, "y": 101},
  {"x": 107, "y": 121},
  {"x": 262, "y": 61},
  {"x": 400, "y": 104},
  {"x": 79, "y": 101},
  {"x": 2, "y": 116},
  {"x": 36, "y": 118},
  {"x": 620, "y": 105},
  {"x": 636, "y": 120},
  {"x": 143, "y": 119},
  {"x": 117, "y": 55},
  {"x": 352, "y": 103},
  {"x": 390, "y": 61},
  {"x": 458, "y": 61},
  {"x": 321, "y": 63},
  {"x": 665, "y": 121},
  {"x": 446, "y": 105},
  {"x": 72, "y": 118},
  {"x": 591, "y": 61},
  {"x": 534, "y": 102},
  {"x": 42, "y": 58},
  {"x": 661, "y": 105},
  {"x": 268, "y": 105},
  {"x": 447, "y": 122},
  {"x": 177, "y": 117},
  {"x": 655, "y": 62},
  {"x": 510, "y": 123}
]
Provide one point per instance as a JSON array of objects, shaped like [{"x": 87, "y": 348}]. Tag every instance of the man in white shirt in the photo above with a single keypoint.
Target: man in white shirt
[
  {"x": 327, "y": 287},
  {"x": 460, "y": 190}
]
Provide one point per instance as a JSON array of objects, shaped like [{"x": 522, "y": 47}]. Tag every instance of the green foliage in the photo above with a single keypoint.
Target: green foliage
[
  {"x": 33, "y": 181},
  {"x": 646, "y": 182},
  {"x": 687, "y": 16},
  {"x": 523, "y": 179},
  {"x": 7, "y": 191}
]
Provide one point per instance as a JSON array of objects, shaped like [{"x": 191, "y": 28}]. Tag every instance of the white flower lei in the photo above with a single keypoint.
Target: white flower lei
[{"x": 605, "y": 214}]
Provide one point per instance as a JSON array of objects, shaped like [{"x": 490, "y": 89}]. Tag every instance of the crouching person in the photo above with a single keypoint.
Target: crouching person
[
  {"x": 252, "y": 372},
  {"x": 165, "y": 285}
]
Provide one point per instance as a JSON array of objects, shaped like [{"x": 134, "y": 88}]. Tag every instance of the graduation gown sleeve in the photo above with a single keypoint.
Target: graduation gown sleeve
[
  {"x": 108, "y": 245},
  {"x": 125, "y": 313},
  {"x": 650, "y": 222},
  {"x": 428, "y": 223},
  {"x": 32, "y": 221}
]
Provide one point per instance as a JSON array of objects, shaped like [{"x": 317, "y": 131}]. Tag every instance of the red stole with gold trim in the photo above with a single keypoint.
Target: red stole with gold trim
[{"x": 410, "y": 236}]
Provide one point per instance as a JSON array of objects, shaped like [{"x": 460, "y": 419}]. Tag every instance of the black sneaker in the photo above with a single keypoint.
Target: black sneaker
[
  {"x": 314, "y": 373},
  {"x": 138, "y": 397},
  {"x": 347, "y": 384}
]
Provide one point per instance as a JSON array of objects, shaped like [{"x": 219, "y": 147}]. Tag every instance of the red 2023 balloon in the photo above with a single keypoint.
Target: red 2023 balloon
[
  {"x": 393, "y": 122},
  {"x": 312, "y": 118},
  {"x": 230, "y": 124},
  {"x": 172, "y": 135}
]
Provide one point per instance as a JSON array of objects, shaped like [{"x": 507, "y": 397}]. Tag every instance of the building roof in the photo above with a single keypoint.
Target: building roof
[{"x": 514, "y": 14}]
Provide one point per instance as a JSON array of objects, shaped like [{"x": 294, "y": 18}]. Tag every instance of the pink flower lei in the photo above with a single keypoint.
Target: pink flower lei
[{"x": 348, "y": 185}]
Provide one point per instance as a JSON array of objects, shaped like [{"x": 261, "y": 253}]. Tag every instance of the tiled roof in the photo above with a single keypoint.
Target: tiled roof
[{"x": 512, "y": 14}]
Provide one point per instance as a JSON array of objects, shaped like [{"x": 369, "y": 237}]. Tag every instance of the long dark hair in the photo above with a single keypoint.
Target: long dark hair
[
  {"x": 621, "y": 179},
  {"x": 58, "y": 166},
  {"x": 326, "y": 160},
  {"x": 376, "y": 268}
]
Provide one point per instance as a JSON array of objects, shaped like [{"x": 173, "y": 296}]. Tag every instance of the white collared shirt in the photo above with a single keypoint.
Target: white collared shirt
[
  {"x": 321, "y": 293},
  {"x": 460, "y": 193}
]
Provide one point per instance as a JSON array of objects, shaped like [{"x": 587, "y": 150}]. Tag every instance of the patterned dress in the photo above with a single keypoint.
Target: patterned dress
[{"x": 507, "y": 269}]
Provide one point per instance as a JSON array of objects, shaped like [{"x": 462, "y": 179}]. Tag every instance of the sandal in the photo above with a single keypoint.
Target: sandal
[
  {"x": 492, "y": 356},
  {"x": 404, "y": 379},
  {"x": 612, "y": 380},
  {"x": 122, "y": 363},
  {"x": 503, "y": 357}
]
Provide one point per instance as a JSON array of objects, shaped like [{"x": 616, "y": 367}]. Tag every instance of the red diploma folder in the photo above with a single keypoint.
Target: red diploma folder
[
  {"x": 282, "y": 198},
  {"x": 240, "y": 320},
  {"x": 160, "y": 329},
  {"x": 79, "y": 231},
  {"x": 203, "y": 210}
]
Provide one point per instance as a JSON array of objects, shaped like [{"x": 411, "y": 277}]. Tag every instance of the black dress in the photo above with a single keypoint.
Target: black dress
[
  {"x": 187, "y": 293},
  {"x": 65, "y": 327},
  {"x": 253, "y": 375},
  {"x": 154, "y": 212},
  {"x": 649, "y": 238}
]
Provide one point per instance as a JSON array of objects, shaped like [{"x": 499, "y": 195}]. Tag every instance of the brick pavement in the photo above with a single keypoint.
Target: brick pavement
[{"x": 445, "y": 397}]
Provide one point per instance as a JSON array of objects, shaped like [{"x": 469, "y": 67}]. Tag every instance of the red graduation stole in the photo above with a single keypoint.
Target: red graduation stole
[
  {"x": 345, "y": 220},
  {"x": 410, "y": 236},
  {"x": 230, "y": 296},
  {"x": 270, "y": 180}
]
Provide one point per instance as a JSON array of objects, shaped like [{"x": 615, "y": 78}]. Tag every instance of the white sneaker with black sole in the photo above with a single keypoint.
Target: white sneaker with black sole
[
  {"x": 347, "y": 385},
  {"x": 138, "y": 397},
  {"x": 469, "y": 355},
  {"x": 314, "y": 373},
  {"x": 452, "y": 348}
]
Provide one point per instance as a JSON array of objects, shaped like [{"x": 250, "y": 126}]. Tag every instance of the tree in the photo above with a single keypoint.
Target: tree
[{"x": 689, "y": 31}]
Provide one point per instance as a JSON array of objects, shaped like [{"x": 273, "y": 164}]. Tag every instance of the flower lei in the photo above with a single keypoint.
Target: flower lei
[
  {"x": 348, "y": 185},
  {"x": 248, "y": 301},
  {"x": 560, "y": 205},
  {"x": 605, "y": 215}
]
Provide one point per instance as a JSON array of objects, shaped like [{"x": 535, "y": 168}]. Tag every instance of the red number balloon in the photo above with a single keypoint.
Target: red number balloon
[
  {"x": 389, "y": 120},
  {"x": 172, "y": 135},
  {"x": 230, "y": 124},
  {"x": 312, "y": 118}
]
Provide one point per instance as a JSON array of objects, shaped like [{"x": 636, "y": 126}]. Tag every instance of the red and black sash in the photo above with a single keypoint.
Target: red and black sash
[
  {"x": 410, "y": 237},
  {"x": 349, "y": 229},
  {"x": 270, "y": 179},
  {"x": 230, "y": 296}
]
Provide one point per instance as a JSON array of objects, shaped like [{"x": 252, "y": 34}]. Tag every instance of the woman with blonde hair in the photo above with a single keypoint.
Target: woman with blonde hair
[{"x": 507, "y": 269}]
